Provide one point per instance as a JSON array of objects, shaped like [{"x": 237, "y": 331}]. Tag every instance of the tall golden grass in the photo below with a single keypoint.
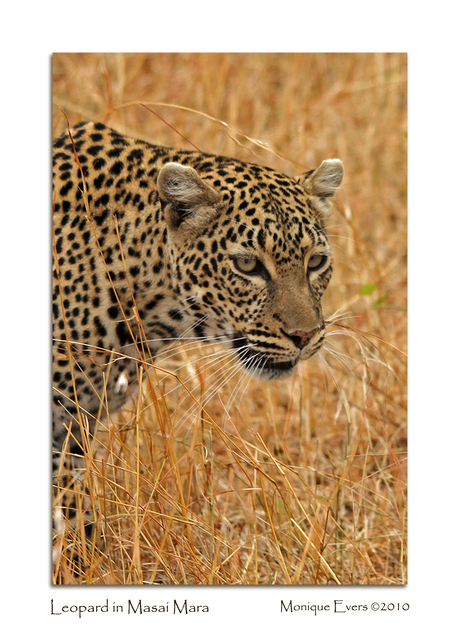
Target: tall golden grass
[{"x": 301, "y": 481}]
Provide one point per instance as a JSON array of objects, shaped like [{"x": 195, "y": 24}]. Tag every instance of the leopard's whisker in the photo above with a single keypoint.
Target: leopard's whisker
[
  {"x": 235, "y": 367},
  {"x": 338, "y": 356},
  {"x": 211, "y": 360},
  {"x": 222, "y": 375},
  {"x": 247, "y": 378}
]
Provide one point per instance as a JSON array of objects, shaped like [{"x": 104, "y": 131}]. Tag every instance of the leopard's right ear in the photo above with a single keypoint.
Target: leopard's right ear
[
  {"x": 186, "y": 200},
  {"x": 322, "y": 184},
  {"x": 325, "y": 180}
]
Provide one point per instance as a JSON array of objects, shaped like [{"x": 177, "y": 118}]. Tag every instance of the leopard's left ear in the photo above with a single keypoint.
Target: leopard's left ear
[
  {"x": 187, "y": 201},
  {"x": 323, "y": 183}
]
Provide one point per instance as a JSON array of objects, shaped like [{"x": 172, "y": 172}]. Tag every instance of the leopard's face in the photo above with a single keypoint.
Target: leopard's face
[{"x": 250, "y": 258}]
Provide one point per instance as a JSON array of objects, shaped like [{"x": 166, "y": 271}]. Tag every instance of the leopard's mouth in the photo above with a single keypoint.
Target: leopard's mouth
[{"x": 261, "y": 365}]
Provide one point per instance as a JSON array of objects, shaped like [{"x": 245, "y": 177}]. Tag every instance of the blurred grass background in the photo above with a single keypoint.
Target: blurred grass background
[{"x": 304, "y": 480}]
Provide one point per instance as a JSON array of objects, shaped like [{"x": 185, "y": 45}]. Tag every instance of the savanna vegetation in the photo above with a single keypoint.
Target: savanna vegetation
[{"x": 214, "y": 478}]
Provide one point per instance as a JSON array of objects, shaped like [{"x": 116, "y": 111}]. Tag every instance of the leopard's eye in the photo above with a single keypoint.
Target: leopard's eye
[
  {"x": 246, "y": 264},
  {"x": 317, "y": 261}
]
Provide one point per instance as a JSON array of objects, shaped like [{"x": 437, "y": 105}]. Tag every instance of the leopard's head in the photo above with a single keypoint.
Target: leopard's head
[{"x": 250, "y": 257}]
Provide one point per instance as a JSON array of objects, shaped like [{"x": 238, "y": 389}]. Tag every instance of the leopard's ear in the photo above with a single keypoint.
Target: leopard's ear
[
  {"x": 185, "y": 197},
  {"x": 323, "y": 183}
]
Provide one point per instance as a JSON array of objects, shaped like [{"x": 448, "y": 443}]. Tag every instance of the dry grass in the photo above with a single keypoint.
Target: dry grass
[{"x": 296, "y": 482}]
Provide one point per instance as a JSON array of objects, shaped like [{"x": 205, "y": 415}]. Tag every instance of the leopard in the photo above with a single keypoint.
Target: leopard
[{"x": 153, "y": 244}]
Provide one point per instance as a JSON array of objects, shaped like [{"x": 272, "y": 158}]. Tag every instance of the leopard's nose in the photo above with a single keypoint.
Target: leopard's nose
[{"x": 300, "y": 338}]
